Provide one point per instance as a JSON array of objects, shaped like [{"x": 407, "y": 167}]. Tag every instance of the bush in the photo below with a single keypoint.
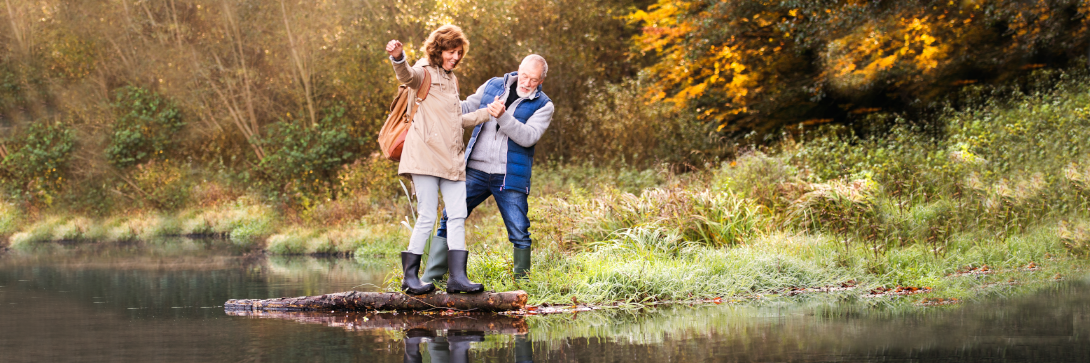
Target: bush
[
  {"x": 305, "y": 159},
  {"x": 770, "y": 181},
  {"x": 374, "y": 178},
  {"x": 37, "y": 167},
  {"x": 163, "y": 185},
  {"x": 146, "y": 128}
]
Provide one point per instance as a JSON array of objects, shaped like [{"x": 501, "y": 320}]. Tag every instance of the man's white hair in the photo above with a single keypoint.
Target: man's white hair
[{"x": 540, "y": 61}]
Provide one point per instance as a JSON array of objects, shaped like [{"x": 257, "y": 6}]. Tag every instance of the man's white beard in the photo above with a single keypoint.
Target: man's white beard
[{"x": 518, "y": 90}]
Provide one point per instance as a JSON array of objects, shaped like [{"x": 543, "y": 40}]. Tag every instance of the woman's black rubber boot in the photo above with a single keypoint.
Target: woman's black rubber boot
[
  {"x": 458, "y": 282},
  {"x": 410, "y": 265}
]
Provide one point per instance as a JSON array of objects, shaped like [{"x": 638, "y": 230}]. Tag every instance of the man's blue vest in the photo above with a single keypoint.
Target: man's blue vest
[{"x": 520, "y": 160}]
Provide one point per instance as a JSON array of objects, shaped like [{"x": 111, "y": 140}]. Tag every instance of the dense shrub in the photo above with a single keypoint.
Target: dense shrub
[
  {"x": 146, "y": 128},
  {"x": 37, "y": 166},
  {"x": 304, "y": 160}
]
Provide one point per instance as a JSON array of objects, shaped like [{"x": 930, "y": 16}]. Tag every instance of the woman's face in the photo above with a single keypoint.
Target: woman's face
[{"x": 451, "y": 58}]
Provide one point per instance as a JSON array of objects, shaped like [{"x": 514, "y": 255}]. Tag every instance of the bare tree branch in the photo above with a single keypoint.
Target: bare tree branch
[
  {"x": 121, "y": 53},
  {"x": 240, "y": 55},
  {"x": 300, "y": 66},
  {"x": 129, "y": 182},
  {"x": 16, "y": 29},
  {"x": 174, "y": 19},
  {"x": 151, "y": 17}
]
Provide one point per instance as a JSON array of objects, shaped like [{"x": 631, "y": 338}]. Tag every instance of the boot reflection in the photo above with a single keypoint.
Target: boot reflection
[
  {"x": 413, "y": 338},
  {"x": 454, "y": 348},
  {"x": 524, "y": 350}
]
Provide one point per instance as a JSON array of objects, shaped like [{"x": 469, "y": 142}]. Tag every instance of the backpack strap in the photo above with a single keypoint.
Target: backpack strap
[{"x": 425, "y": 88}]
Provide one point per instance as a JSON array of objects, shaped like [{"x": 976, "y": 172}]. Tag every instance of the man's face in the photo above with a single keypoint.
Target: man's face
[{"x": 529, "y": 78}]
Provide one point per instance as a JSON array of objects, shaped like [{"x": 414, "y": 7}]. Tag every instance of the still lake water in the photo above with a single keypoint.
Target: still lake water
[{"x": 162, "y": 301}]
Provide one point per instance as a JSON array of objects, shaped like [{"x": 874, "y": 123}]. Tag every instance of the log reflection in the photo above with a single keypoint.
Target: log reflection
[{"x": 485, "y": 323}]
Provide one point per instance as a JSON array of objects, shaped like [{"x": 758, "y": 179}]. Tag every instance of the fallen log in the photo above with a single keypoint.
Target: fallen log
[
  {"x": 356, "y": 321},
  {"x": 386, "y": 301}
]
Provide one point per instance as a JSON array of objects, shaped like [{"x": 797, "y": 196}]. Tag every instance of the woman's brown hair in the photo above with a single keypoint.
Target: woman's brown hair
[{"x": 445, "y": 38}]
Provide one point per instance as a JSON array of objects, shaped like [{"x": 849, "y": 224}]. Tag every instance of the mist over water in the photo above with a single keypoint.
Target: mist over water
[{"x": 162, "y": 301}]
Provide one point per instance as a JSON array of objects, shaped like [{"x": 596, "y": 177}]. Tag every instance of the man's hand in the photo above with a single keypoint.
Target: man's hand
[
  {"x": 393, "y": 48},
  {"x": 496, "y": 108}
]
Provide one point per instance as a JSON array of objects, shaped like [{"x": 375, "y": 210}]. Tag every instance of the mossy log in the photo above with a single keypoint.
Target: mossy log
[
  {"x": 386, "y": 301},
  {"x": 356, "y": 321}
]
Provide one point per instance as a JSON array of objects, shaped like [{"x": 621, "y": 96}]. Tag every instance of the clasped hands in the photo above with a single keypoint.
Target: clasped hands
[{"x": 496, "y": 108}]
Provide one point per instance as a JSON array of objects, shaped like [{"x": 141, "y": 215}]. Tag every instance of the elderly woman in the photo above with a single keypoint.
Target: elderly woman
[{"x": 434, "y": 155}]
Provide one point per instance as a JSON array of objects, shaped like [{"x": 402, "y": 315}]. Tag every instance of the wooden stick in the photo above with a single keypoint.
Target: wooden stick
[{"x": 384, "y": 301}]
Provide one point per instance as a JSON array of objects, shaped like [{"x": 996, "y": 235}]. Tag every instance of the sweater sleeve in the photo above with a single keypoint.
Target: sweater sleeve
[
  {"x": 411, "y": 76},
  {"x": 526, "y": 135}
]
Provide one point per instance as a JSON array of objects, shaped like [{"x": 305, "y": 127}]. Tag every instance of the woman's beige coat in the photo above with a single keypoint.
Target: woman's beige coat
[{"x": 434, "y": 145}]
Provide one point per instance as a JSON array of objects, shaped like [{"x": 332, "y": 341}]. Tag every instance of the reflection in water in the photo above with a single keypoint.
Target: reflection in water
[
  {"x": 161, "y": 301},
  {"x": 447, "y": 338},
  {"x": 455, "y": 346},
  {"x": 356, "y": 321},
  {"x": 452, "y": 348}
]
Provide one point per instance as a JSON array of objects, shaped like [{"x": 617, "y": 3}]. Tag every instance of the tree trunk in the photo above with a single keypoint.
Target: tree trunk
[
  {"x": 384, "y": 301},
  {"x": 492, "y": 323}
]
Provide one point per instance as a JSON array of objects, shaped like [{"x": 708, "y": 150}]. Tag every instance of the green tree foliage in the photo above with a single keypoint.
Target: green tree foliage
[
  {"x": 308, "y": 158},
  {"x": 36, "y": 168},
  {"x": 146, "y": 128},
  {"x": 761, "y": 65}
]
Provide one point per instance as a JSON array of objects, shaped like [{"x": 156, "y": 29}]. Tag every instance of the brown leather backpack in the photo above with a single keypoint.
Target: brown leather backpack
[{"x": 391, "y": 139}]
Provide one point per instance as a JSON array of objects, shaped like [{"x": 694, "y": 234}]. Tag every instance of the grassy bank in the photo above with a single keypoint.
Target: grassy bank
[{"x": 994, "y": 193}]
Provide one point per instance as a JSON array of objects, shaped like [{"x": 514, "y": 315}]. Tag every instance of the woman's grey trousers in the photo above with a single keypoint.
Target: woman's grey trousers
[{"x": 427, "y": 201}]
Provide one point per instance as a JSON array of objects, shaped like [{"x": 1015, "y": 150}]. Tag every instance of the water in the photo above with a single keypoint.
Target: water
[{"x": 161, "y": 301}]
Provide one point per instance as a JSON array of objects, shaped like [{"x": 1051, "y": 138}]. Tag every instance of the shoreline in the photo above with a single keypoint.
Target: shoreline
[{"x": 967, "y": 283}]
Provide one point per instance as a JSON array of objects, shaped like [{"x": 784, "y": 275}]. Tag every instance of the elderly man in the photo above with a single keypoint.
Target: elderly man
[{"x": 500, "y": 156}]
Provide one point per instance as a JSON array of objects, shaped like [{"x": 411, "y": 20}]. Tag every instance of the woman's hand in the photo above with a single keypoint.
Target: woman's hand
[
  {"x": 496, "y": 108},
  {"x": 394, "y": 49}
]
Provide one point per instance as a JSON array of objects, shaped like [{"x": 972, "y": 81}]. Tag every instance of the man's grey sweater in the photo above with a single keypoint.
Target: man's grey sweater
[{"x": 490, "y": 151}]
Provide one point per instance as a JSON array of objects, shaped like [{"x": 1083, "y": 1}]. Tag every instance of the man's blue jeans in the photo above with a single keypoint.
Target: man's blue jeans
[{"x": 512, "y": 205}]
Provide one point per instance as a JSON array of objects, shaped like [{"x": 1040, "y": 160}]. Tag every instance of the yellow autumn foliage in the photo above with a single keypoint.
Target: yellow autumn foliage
[{"x": 762, "y": 64}]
